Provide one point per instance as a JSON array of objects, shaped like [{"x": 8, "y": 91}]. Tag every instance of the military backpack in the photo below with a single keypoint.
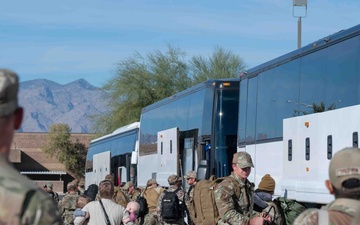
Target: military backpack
[
  {"x": 171, "y": 207},
  {"x": 205, "y": 210}
]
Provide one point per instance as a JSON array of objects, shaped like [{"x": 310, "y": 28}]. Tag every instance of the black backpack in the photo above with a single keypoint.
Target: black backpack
[
  {"x": 171, "y": 207},
  {"x": 144, "y": 209}
]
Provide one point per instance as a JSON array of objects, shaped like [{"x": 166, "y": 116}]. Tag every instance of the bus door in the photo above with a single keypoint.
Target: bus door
[
  {"x": 168, "y": 155},
  {"x": 188, "y": 155},
  {"x": 123, "y": 169},
  {"x": 101, "y": 166}
]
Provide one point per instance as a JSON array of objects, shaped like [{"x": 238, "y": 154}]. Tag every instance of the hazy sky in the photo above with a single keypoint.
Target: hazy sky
[{"x": 66, "y": 40}]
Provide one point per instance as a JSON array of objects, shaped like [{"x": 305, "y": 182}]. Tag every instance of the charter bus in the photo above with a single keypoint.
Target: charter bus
[
  {"x": 198, "y": 124},
  {"x": 111, "y": 154},
  {"x": 297, "y": 110}
]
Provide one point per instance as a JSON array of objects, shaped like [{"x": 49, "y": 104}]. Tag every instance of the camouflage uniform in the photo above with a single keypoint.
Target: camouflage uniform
[
  {"x": 183, "y": 197},
  {"x": 134, "y": 195},
  {"x": 238, "y": 212},
  {"x": 15, "y": 191},
  {"x": 21, "y": 201},
  {"x": 341, "y": 212},
  {"x": 67, "y": 208},
  {"x": 122, "y": 198}
]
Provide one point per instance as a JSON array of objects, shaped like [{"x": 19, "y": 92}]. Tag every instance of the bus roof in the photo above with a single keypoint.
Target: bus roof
[
  {"x": 126, "y": 128},
  {"x": 310, "y": 48},
  {"x": 187, "y": 92}
]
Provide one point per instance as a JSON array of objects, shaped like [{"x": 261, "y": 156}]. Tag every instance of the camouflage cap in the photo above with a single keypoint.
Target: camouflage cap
[
  {"x": 9, "y": 86},
  {"x": 343, "y": 166},
  {"x": 242, "y": 160},
  {"x": 110, "y": 177},
  {"x": 128, "y": 185},
  {"x": 151, "y": 182},
  {"x": 174, "y": 178},
  {"x": 190, "y": 174}
]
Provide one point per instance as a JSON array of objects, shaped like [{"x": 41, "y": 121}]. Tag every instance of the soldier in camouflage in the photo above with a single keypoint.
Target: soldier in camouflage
[
  {"x": 132, "y": 192},
  {"x": 238, "y": 211},
  {"x": 21, "y": 201},
  {"x": 344, "y": 184},
  {"x": 49, "y": 189},
  {"x": 68, "y": 204},
  {"x": 175, "y": 183},
  {"x": 191, "y": 180},
  {"x": 151, "y": 194}
]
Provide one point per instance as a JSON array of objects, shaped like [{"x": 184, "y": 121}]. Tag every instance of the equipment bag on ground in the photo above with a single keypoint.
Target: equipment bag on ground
[{"x": 290, "y": 209}]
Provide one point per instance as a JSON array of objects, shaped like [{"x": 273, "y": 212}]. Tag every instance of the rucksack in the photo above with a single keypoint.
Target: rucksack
[
  {"x": 144, "y": 209},
  {"x": 289, "y": 208},
  {"x": 205, "y": 210},
  {"x": 171, "y": 207}
]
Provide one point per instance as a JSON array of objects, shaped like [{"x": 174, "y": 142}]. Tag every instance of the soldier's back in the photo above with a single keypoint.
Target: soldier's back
[
  {"x": 68, "y": 206},
  {"x": 21, "y": 202}
]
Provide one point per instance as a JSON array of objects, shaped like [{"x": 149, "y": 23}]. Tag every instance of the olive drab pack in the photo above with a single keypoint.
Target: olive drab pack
[
  {"x": 171, "y": 207},
  {"x": 289, "y": 208},
  {"x": 205, "y": 210}
]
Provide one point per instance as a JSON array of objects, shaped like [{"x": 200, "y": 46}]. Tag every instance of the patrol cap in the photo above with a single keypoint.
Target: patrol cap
[
  {"x": 150, "y": 182},
  {"x": 128, "y": 185},
  {"x": 9, "y": 86},
  {"x": 343, "y": 166},
  {"x": 110, "y": 177},
  {"x": 242, "y": 160},
  {"x": 190, "y": 174},
  {"x": 174, "y": 178}
]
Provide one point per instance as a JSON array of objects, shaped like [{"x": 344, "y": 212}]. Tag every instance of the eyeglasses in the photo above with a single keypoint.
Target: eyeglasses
[{"x": 189, "y": 178}]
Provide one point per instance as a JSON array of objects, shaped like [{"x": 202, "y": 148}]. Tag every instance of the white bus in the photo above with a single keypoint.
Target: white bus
[
  {"x": 297, "y": 110},
  {"x": 111, "y": 154}
]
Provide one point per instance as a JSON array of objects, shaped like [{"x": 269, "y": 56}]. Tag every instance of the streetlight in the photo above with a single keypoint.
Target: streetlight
[{"x": 300, "y": 6}]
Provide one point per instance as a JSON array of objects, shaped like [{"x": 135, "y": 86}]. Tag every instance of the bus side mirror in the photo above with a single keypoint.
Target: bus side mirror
[{"x": 203, "y": 170}]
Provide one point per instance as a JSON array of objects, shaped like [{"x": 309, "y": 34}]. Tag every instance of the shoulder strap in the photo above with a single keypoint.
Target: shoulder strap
[
  {"x": 106, "y": 215},
  {"x": 323, "y": 217},
  {"x": 236, "y": 185}
]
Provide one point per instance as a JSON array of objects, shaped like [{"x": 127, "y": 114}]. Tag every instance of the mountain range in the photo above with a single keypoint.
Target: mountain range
[{"x": 46, "y": 102}]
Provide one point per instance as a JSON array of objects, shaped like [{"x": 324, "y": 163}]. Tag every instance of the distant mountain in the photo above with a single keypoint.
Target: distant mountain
[{"x": 46, "y": 102}]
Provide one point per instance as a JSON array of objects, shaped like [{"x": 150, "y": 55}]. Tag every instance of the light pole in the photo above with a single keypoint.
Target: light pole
[{"x": 299, "y": 11}]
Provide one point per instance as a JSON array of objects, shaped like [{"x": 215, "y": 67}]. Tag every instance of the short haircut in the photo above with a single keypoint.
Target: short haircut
[{"x": 106, "y": 189}]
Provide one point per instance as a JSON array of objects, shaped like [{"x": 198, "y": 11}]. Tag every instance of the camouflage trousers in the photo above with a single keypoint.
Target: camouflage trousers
[
  {"x": 68, "y": 217},
  {"x": 151, "y": 219}
]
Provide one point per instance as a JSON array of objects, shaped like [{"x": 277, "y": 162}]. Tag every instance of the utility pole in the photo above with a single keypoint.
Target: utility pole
[{"x": 299, "y": 11}]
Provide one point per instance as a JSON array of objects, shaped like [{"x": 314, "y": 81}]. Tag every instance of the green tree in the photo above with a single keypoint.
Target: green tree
[
  {"x": 221, "y": 64},
  {"x": 140, "y": 81},
  {"x": 72, "y": 155}
]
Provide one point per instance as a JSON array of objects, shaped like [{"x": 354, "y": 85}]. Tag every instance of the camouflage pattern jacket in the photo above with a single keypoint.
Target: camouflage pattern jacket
[
  {"x": 232, "y": 210},
  {"x": 341, "y": 211},
  {"x": 134, "y": 195},
  {"x": 21, "y": 202},
  {"x": 183, "y": 197},
  {"x": 67, "y": 207},
  {"x": 122, "y": 198}
]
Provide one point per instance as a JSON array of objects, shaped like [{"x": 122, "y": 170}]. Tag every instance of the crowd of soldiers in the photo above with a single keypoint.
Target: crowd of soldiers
[{"x": 22, "y": 202}]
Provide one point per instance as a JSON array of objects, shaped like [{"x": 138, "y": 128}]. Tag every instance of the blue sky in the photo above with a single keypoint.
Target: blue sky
[{"x": 67, "y": 40}]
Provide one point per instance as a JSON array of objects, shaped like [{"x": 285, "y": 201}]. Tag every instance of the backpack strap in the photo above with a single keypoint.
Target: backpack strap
[
  {"x": 323, "y": 217},
  {"x": 237, "y": 187}
]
